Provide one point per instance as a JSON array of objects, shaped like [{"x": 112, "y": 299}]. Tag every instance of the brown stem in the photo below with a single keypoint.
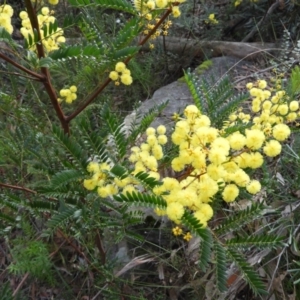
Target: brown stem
[
  {"x": 15, "y": 64},
  {"x": 46, "y": 74},
  {"x": 20, "y": 75},
  {"x": 99, "y": 89},
  {"x": 20, "y": 284},
  {"x": 15, "y": 187}
]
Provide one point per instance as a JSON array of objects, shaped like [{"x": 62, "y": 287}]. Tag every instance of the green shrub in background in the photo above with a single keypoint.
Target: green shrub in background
[{"x": 71, "y": 171}]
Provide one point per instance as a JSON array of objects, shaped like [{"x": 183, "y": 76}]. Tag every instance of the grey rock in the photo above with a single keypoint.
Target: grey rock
[{"x": 178, "y": 94}]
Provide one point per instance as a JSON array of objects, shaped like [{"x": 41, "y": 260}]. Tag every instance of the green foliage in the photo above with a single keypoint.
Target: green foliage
[
  {"x": 31, "y": 257},
  {"x": 195, "y": 226},
  {"x": 137, "y": 198},
  {"x": 221, "y": 268},
  {"x": 218, "y": 101},
  {"x": 120, "y": 5},
  {"x": 249, "y": 274},
  {"x": 294, "y": 82}
]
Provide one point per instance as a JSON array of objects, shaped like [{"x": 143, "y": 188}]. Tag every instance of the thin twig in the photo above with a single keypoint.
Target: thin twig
[
  {"x": 15, "y": 187},
  {"x": 264, "y": 18},
  {"x": 20, "y": 67},
  {"x": 99, "y": 89},
  {"x": 20, "y": 284},
  {"x": 20, "y": 75},
  {"x": 47, "y": 78}
]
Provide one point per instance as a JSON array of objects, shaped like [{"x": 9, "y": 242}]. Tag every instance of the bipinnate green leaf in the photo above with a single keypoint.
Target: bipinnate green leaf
[
  {"x": 127, "y": 33},
  {"x": 141, "y": 123},
  {"x": 73, "y": 51},
  {"x": 250, "y": 276},
  {"x": 123, "y": 53},
  {"x": 260, "y": 241},
  {"x": 119, "y": 171},
  {"x": 146, "y": 180},
  {"x": 121, "y": 5},
  {"x": 194, "y": 89},
  {"x": 242, "y": 217},
  {"x": 220, "y": 257},
  {"x": 61, "y": 217},
  {"x": 141, "y": 199},
  {"x": 73, "y": 150},
  {"x": 196, "y": 227},
  {"x": 65, "y": 177}
]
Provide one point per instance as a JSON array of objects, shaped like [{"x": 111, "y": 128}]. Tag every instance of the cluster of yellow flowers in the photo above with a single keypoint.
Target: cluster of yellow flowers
[
  {"x": 145, "y": 159},
  {"x": 238, "y": 2},
  {"x": 52, "y": 2},
  {"x": 6, "y": 12},
  {"x": 211, "y": 160},
  {"x": 211, "y": 19},
  {"x": 146, "y": 7},
  {"x": 51, "y": 41},
  {"x": 121, "y": 73},
  {"x": 69, "y": 94}
]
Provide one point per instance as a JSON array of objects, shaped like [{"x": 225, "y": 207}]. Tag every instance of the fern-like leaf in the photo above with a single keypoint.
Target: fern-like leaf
[
  {"x": 146, "y": 180},
  {"x": 123, "y": 53},
  {"x": 127, "y": 33},
  {"x": 140, "y": 124},
  {"x": 220, "y": 257},
  {"x": 249, "y": 274},
  {"x": 194, "y": 89},
  {"x": 73, "y": 149},
  {"x": 58, "y": 219},
  {"x": 241, "y": 218},
  {"x": 121, "y": 5},
  {"x": 263, "y": 241},
  {"x": 144, "y": 199},
  {"x": 65, "y": 177},
  {"x": 73, "y": 51},
  {"x": 195, "y": 226}
]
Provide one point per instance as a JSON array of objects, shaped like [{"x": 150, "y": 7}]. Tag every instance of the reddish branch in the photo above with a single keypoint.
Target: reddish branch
[
  {"x": 98, "y": 90},
  {"x": 15, "y": 187}
]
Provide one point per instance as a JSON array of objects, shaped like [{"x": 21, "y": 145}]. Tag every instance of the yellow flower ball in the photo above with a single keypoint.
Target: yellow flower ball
[
  {"x": 253, "y": 187},
  {"x": 230, "y": 193},
  {"x": 177, "y": 164},
  {"x": 237, "y": 141},
  {"x": 93, "y": 167},
  {"x": 6, "y": 9},
  {"x": 23, "y": 15},
  {"x": 162, "y": 139},
  {"x": 120, "y": 67},
  {"x": 73, "y": 89},
  {"x": 89, "y": 184},
  {"x": 45, "y": 11},
  {"x": 161, "y": 129},
  {"x": 150, "y": 131},
  {"x": 262, "y": 84},
  {"x": 53, "y": 2},
  {"x": 292, "y": 116},
  {"x": 294, "y": 105},
  {"x": 249, "y": 85},
  {"x": 191, "y": 111},
  {"x": 283, "y": 109},
  {"x": 175, "y": 211},
  {"x": 151, "y": 4},
  {"x": 255, "y": 160},
  {"x": 161, "y": 3},
  {"x": 113, "y": 75},
  {"x": 126, "y": 79},
  {"x": 254, "y": 138},
  {"x": 272, "y": 148},
  {"x": 207, "y": 211},
  {"x": 281, "y": 132},
  {"x": 241, "y": 178},
  {"x": 176, "y": 11}
]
